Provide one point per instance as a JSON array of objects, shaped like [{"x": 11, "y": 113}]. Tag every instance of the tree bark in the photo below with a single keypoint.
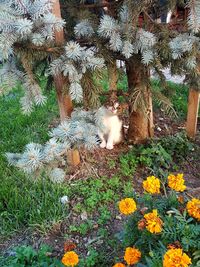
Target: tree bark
[
  {"x": 64, "y": 100},
  {"x": 141, "y": 116},
  {"x": 112, "y": 75}
]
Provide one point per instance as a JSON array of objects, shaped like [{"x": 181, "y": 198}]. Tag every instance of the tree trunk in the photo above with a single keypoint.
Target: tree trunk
[
  {"x": 112, "y": 75},
  {"x": 64, "y": 100},
  {"x": 141, "y": 116}
]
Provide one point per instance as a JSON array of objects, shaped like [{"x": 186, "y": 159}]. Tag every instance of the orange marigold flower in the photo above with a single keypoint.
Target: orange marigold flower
[
  {"x": 176, "y": 182},
  {"x": 153, "y": 222},
  {"x": 119, "y": 264},
  {"x": 152, "y": 185},
  {"x": 193, "y": 208},
  {"x": 70, "y": 259},
  {"x": 132, "y": 255},
  {"x": 127, "y": 206},
  {"x": 176, "y": 258}
]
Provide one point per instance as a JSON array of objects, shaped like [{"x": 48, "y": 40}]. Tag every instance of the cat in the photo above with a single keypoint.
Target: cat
[{"x": 110, "y": 132}]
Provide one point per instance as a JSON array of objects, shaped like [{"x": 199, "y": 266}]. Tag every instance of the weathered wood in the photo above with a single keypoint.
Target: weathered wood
[
  {"x": 64, "y": 100},
  {"x": 73, "y": 157},
  {"x": 192, "y": 115}
]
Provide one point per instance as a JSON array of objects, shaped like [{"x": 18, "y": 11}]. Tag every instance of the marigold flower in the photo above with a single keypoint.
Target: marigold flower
[
  {"x": 153, "y": 222},
  {"x": 176, "y": 182},
  {"x": 152, "y": 185},
  {"x": 70, "y": 259},
  {"x": 127, "y": 206},
  {"x": 132, "y": 255},
  {"x": 176, "y": 258},
  {"x": 193, "y": 208},
  {"x": 119, "y": 264}
]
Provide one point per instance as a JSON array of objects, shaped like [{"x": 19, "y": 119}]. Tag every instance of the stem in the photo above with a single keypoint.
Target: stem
[{"x": 164, "y": 189}]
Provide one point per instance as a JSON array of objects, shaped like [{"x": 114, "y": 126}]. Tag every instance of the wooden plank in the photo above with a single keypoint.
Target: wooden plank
[{"x": 192, "y": 115}]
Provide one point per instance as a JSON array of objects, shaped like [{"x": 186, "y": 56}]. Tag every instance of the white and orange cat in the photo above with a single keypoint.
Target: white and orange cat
[{"x": 110, "y": 132}]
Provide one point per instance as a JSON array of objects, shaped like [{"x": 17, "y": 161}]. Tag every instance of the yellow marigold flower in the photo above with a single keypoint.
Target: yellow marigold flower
[
  {"x": 176, "y": 182},
  {"x": 127, "y": 206},
  {"x": 153, "y": 222},
  {"x": 119, "y": 264},
  {"x": 152, "y": 185},
  {"x": 70, "y": 259},
  {"x": 132, "y": 255},
  {"x": 193, "y": 208},
  {"x": 176, "y": 258}
]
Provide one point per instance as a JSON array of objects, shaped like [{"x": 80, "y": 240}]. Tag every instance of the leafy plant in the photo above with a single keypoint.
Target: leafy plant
[
  {"x": 174, "y": 228},
  {"x": 26, "y": 256},
  {"x": 158, "y": 156},
  {"x": 128, "y": 163}
]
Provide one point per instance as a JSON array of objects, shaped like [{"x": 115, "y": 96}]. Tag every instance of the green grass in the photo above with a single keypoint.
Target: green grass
[
  {"x": 176, "y": 93},
  {"x": 25, "y": 203}
]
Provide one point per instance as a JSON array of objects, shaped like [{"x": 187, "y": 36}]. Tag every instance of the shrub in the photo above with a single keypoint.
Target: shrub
[
  {"x": 158, "y": 156},
  {"x": 165, "y": 225}
]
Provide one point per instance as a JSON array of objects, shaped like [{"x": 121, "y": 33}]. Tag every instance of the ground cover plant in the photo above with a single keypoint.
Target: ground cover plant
[
  {"x": 164, "y": 229},
  {"x": 80, "y": 216},
  {"x": 74, "y": 208}
]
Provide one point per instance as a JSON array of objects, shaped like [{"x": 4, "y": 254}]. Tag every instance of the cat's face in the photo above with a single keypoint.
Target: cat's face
[{"x": 114, "y": 107}]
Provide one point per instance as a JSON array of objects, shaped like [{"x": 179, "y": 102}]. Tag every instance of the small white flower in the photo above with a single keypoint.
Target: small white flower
[{"x": 64, "y": 200}]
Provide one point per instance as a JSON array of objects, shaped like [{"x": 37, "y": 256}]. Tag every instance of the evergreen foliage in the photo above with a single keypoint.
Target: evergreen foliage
[
  {"x": 27, "y": 31},
  {"x": 78, "y": 131},
  {"x": 74, "y": 63},
  {"x": 26, "y": 24}
]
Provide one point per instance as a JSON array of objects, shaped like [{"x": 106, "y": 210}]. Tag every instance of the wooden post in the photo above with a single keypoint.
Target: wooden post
[
  {"x": 73, "y": 157},
  {"x": 192, "y": 115},
  {"x": 64, "y": 100}
]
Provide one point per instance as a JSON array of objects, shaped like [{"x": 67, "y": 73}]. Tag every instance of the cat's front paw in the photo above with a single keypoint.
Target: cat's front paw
[
  {"x": 103, "y": 144},
  {"x": 109, "y": 146}
]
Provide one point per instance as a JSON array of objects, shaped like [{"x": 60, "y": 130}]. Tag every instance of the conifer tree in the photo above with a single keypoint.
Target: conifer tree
[
  {"x": 132, "y": 34},
  {"x": 129, "y": 33}
]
